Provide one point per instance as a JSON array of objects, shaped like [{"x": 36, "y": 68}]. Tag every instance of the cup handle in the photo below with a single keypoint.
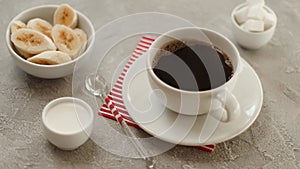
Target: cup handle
[{"x": 227, "y": 107}]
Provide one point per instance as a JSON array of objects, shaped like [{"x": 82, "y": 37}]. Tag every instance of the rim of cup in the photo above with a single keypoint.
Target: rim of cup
[
  {"x": 236, "y": 70},
  {"x": 252, "y": 33},
  {"x": 68, "y": 99},
  {"x": 9, "y": 44}
]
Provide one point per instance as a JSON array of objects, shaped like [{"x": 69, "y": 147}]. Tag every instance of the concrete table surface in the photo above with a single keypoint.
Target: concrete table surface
[{"x": 273, "y": 141}]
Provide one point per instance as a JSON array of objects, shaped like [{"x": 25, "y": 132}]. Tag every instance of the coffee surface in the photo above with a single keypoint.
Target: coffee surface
[{"x": 193, "y": 67}]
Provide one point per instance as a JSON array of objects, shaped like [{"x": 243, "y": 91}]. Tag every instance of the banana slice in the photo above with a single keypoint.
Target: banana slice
[
  {"x": 40, "y": 25},
  {"x": 65, "y": 15},
  {"x": 23, "y": 53},
  {"x": 31, "y": 41},
  {"x": 15, "y": 25},
  {"x": 50, "y": 58},
  {"x": 83, "y": 39},
  {"x": 66, "y": 40}
]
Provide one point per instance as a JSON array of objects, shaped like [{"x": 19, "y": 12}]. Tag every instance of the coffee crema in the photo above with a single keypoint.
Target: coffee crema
[{"x": 192, "y": 66}]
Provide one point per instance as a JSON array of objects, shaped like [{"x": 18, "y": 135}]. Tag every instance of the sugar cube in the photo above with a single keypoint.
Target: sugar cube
[
  {"x": 243, "y": 26},
  {"x": 241, "y": 15},
  {"x": 269, "y": 20},
  {"x": 253, "y": 25},
  {"x": 260, "y": 3},
  {"x": 256, "y": 12}
]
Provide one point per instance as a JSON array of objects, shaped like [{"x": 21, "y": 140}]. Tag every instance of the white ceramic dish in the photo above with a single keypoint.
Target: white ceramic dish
[
  {"x": 49, "y": 71},
  {"x": 68, "y": 122},
  {"x": 170, "y": 126},
  {"x": 251, "y": 40}
]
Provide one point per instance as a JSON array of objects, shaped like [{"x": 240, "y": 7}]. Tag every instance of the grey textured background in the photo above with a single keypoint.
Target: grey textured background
[{"x": 273, "y": 141}]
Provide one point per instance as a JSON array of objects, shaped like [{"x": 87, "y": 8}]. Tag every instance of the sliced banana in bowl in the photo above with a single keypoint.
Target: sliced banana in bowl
[
  {"x": 64, "y": 36},
  {"x": 23, "y": 53},
  {"x": 40, "y": 25},
  {"x": 66, "y": 40},
  {"x": 29, "y": 38},
  {"x": 31, "y": 41},
  {"x": 16, "y": 25},
  {"x": 50, "y": 58},
  {"x": 65, "y": 15},
  {"x": 83, "y": 39}
]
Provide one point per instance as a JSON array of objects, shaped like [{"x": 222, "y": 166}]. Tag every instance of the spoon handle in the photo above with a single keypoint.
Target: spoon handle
[
  {"x": 97, "y": 86},
  {"x": 150, "y": 163}
]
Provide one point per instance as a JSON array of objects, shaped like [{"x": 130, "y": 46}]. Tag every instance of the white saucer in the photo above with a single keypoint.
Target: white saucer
[{"x": 172, "y": 127}]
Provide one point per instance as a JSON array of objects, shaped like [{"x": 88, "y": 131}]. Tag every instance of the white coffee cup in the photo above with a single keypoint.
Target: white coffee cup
[{"x": 197, "y": 102}]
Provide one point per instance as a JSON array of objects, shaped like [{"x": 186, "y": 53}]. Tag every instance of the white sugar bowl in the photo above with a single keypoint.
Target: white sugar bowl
[{"x": 249, "y": 39}]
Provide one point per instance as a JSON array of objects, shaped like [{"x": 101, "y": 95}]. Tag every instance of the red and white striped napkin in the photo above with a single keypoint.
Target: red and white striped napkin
[{"x": 114, "y": 107}]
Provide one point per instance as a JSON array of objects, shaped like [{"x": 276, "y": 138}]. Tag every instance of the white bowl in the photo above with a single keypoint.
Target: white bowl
[
  {"x": 46, "y": 12},
  {"x": 67, "y": 138},
  {"x": 251, "y": 40}
]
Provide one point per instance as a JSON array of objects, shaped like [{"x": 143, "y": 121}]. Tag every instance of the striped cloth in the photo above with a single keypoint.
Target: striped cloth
[{"x": 114, "y": 107}]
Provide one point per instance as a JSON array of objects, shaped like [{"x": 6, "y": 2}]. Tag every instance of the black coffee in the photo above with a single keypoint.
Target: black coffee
[{"x": 197, "y": 66}]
